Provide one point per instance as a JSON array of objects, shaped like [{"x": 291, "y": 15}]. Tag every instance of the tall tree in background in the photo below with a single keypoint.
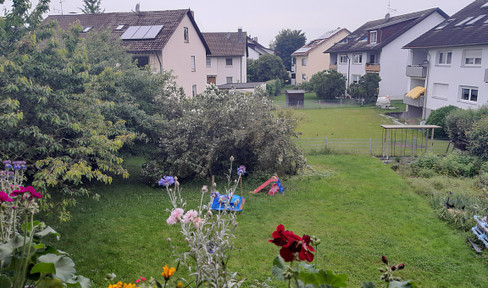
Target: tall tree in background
[
  {"x": 287, "y": 42},
  {"x": 267, "y": 67},
  {"x": 92, "y": 7}
]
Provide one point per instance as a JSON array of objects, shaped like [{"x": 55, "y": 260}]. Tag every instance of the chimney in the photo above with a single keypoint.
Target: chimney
[{"x": 239, "y": 34}]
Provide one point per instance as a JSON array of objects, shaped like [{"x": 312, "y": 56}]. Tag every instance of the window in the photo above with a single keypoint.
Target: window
[
  {"x": 342, "y": 59},
  {"x": 355, "y": 78},
  {"x": 228, "y": 80},
  {"x": 357, "y": 59},
  {"x": 472, "y": 57},
  {"x": 304, "y": 61},
  {"x": 444, "y": 57},
  {"x": 372, "y": 59},
  {"x": 120, "y": 27},
  {"x": 469, "y": 93},
  {"x": 373, "y": 37},
  {"x": 440, "y": 91},
  {"x": 209, "y": 62},
  {"x": 194, "y": 90},
  {"x": 193, "y": 64},
  {"x": 228, "y": 61},
  {"x": 185, "y": 34},
  {"x": 141, "y": 60},
  {"x": 86, "y": 29},
  {"x": 304, "y": 77}
]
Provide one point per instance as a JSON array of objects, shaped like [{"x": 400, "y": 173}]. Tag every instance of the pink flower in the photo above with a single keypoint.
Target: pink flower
[
  {"x": 197, "y": 221},
  {"x": 4, "y": 197},
  {"x": 175, "y": 216},
  {"x": 171, "y": 220},
  {"x": 189, "y": 216}
]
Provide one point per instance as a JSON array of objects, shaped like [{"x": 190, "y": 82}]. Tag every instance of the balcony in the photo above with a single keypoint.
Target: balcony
[
  {"x": 416, "y": 71},
  {"x": 372, "y": 68},
  {"x": 333, "y": 67},
  {"x": 419, "y": 102}
]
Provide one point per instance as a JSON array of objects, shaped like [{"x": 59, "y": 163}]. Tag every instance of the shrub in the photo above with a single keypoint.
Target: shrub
[
  {"x": 328, "y": 84},
  {"x": 366, "y": 88},
  {"x": 306, "y": 85},
  {"x": 215, "y": 124},
  {"x": 438, "y": 117},
  {"x": 459, "y": 122},
  {"x": 273, "y": 87},
  {"x": 478, "y": 139}
]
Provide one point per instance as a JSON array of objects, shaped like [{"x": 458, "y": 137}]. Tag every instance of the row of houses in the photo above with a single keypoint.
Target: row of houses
[
  {"x": 426, "y": 58},
  {"x": 172, "y": 41}
]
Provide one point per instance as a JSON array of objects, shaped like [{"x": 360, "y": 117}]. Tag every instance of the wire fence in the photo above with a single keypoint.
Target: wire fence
[{"x": 398, "y": 147}]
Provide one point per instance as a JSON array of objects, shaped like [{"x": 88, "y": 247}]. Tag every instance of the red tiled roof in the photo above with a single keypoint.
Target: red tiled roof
[
  {"x": 170, "y": 19},
  {"x": 226, "y": 43}
]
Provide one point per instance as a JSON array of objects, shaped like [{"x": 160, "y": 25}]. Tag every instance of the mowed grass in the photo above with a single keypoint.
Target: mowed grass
[{"x": 358, "y": 206}]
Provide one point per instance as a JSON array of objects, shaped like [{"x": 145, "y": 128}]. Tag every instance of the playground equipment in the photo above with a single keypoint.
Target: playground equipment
[
  {"x": 236, "y": 203},
  {"x": 274, "y": 188},
  {"x": 480, "y": 230}
]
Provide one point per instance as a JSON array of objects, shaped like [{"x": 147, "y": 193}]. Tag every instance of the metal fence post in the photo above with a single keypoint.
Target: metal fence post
[
  {"x": 413, "y": 145},
  {"x": 370, "y": 146},
  {"x": 326, "y": 143}
]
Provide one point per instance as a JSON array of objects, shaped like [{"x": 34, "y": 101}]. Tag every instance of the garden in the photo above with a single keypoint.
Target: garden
[{"x": 112, "y": 178}]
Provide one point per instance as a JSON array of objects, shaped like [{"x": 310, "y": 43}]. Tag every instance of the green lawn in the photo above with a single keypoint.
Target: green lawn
[{"x": 358, "y": 206}]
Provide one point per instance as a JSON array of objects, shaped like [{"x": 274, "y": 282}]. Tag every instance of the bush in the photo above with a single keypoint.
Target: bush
[
  {"x": 438, "y": 117},
  {"x": 306, "y": 85},
  {"x": 216, "y": 125},
  {"x": 273, "y": 87},
  {"x": 459, "y": 122},
  {"x": 328, "y": 84},
  {"x": 366, "y": 88},
  {"x": 478, "y": 139},
  {"x": 456, "y": 164}
]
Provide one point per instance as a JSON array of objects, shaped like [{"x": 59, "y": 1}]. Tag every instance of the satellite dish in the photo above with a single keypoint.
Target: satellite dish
[{"x": 138, "y": 7}]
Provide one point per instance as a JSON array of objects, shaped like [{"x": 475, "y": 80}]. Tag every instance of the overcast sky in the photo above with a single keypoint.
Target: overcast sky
[{"x": 264, "y": 18}]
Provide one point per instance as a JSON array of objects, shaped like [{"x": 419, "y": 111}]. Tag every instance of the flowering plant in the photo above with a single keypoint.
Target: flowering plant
[
  {"x": 208, "y": 233},
  {"x": 24, "y": 260}
]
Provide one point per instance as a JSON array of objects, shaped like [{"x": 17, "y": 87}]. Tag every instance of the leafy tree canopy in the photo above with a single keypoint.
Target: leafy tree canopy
[
  {"x": 328, "y": 84},
  {"x": 92, "y": 7},
  {"x": 267, "y": 67},
  {"x": 286, "y": 42}
]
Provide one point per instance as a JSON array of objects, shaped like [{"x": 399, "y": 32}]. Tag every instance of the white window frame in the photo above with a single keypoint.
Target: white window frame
[
  {"x": 304, "y": 77},
  {"x": 444, "y": 57},
  {"x": 209, "y": 62},
  {"x": 194, "y": 90},
  {"x": 355, "y": 78},
  {"x": 304, "y": 61},
  {"x": 469, "y": 97},
  {"x": 472, "y": 57},
  {"x": 373, "y": 37},
  {"x": 357, "y": 59},
  {"x": 228, "y": 79},
  {"x": 343, "y": 59},
  {"x": 227, "y": 61},
  {"x": 193, "y": 63},
  {"x": 440, "y": 91}
]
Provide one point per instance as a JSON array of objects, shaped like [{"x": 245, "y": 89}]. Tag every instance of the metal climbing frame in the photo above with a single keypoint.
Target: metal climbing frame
[{"x": 390, "y": 141}]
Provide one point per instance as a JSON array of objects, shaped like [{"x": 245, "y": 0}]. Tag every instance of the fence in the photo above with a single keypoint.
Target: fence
[{"x": 376, "y": 147}]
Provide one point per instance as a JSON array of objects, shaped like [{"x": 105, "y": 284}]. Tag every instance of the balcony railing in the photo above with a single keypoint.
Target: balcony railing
[
  {"x": 372, "y": 68},
  {"x": 416, "y": 71},
  {"x": 333, "y": 67},
  {"x": 419, "y": 102}
]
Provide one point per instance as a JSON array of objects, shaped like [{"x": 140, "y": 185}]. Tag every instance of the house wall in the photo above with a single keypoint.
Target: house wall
[
  {"x": 444, "y": 82},
  {"x": 177, "y": 58},
  {"x": 349, "y": 69},
  {"x": 253, "y": 54},
  {"x": 238, "y": 70},
  {"x": 317, "y": 60},
  {"x": 394, "y": 59}
]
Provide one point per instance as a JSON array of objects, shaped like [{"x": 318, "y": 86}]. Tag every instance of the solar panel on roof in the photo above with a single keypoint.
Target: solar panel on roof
[
  {"x": 141, "y": 32},
  {"x": 475, "y": 19}
]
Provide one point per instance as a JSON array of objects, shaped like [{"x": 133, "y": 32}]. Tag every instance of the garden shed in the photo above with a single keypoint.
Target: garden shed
[{"x": 295, "y": 98}]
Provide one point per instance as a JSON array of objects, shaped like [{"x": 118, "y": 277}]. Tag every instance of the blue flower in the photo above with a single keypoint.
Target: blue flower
[
  {"x": 241, "y": 170},
  {"x": 8, "y": 164},
  {"x": 166, "y": 181}
]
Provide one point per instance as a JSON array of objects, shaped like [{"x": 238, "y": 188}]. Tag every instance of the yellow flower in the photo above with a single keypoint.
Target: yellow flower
[
  {"x": 168, "y": 272},
  {"x": 120, "y": 285},
  {"x": 179, "y": 285}
]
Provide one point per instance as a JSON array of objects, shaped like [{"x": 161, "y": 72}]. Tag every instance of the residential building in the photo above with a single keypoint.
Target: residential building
[
  {"x": 164, "y": 40},
  {"x": 226, "y": 62},
  {"x": 310, "y": 58},
  {"x": 450, "y": 63},
  {"x": 376, "y": 47},
  {"x": 254, "y": 49}
]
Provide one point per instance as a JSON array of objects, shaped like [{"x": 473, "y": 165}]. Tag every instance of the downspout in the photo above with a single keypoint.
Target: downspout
[
  {"x": 240, "y": 70},
  {"x": 348, "y": 70},
  {"x": 160, "y": 63},
  {"x": 424, "y": 110}
]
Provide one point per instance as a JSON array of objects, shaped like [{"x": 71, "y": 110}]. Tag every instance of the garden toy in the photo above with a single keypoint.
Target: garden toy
[
  {"x": 274, "y": 188},
  {"x": 481, "y": 230},
  {"x": 236, "y": 202}
]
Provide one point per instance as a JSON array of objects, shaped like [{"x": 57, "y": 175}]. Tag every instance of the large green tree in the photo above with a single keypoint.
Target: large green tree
[
  {"x": 92, "y": 6},
  {"x": 286, "y": 42},
  {"x": 328, "y": 84},
  {"x": 267, "y": 67}
]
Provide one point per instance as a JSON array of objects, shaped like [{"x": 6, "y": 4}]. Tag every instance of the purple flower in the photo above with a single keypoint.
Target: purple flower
[
  {"x": 166, "y": 181},
  {"x": 18, "y": 165},
  {"x": 4, "y": 197},
  {"x": 241, "y": 170},
  {"x": 8, "y": 164}
]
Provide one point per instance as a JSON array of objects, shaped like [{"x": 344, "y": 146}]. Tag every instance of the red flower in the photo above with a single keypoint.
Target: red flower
[
  {"x": 292, "y": 244},
  {"x": 306, "y": 250},
  {"x": 22, "y": 190}
]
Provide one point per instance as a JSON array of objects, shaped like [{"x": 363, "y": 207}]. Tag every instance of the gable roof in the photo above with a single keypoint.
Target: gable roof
[
  {"x": 226, "y": 43},
  {"x": 389, "y": 28},
  {"x": 469, "y": 26},
  {"x": 307, "y": 48},
  {"x": 170, "y": 19}
]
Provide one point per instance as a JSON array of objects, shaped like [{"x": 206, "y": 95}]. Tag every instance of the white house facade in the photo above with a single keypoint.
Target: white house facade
[
  {"x": 451, "y": 62},
  {"x": 376, "y": 47}
]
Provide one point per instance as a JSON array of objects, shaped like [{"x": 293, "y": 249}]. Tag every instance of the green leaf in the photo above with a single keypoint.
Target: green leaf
[
  {"x": 46, "y": 232},
  {"x": 65, "y": 267},
  {"x": 278, "y": 268},
  {"x": 50, "y": 283},
  {"x": 5, "y": 281},
  {"x": 45, "y": 268},
  {"x": 8, "y": 248},
  {"x": 404, "y": 284},
  {"x": 368, "y": 285}
]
